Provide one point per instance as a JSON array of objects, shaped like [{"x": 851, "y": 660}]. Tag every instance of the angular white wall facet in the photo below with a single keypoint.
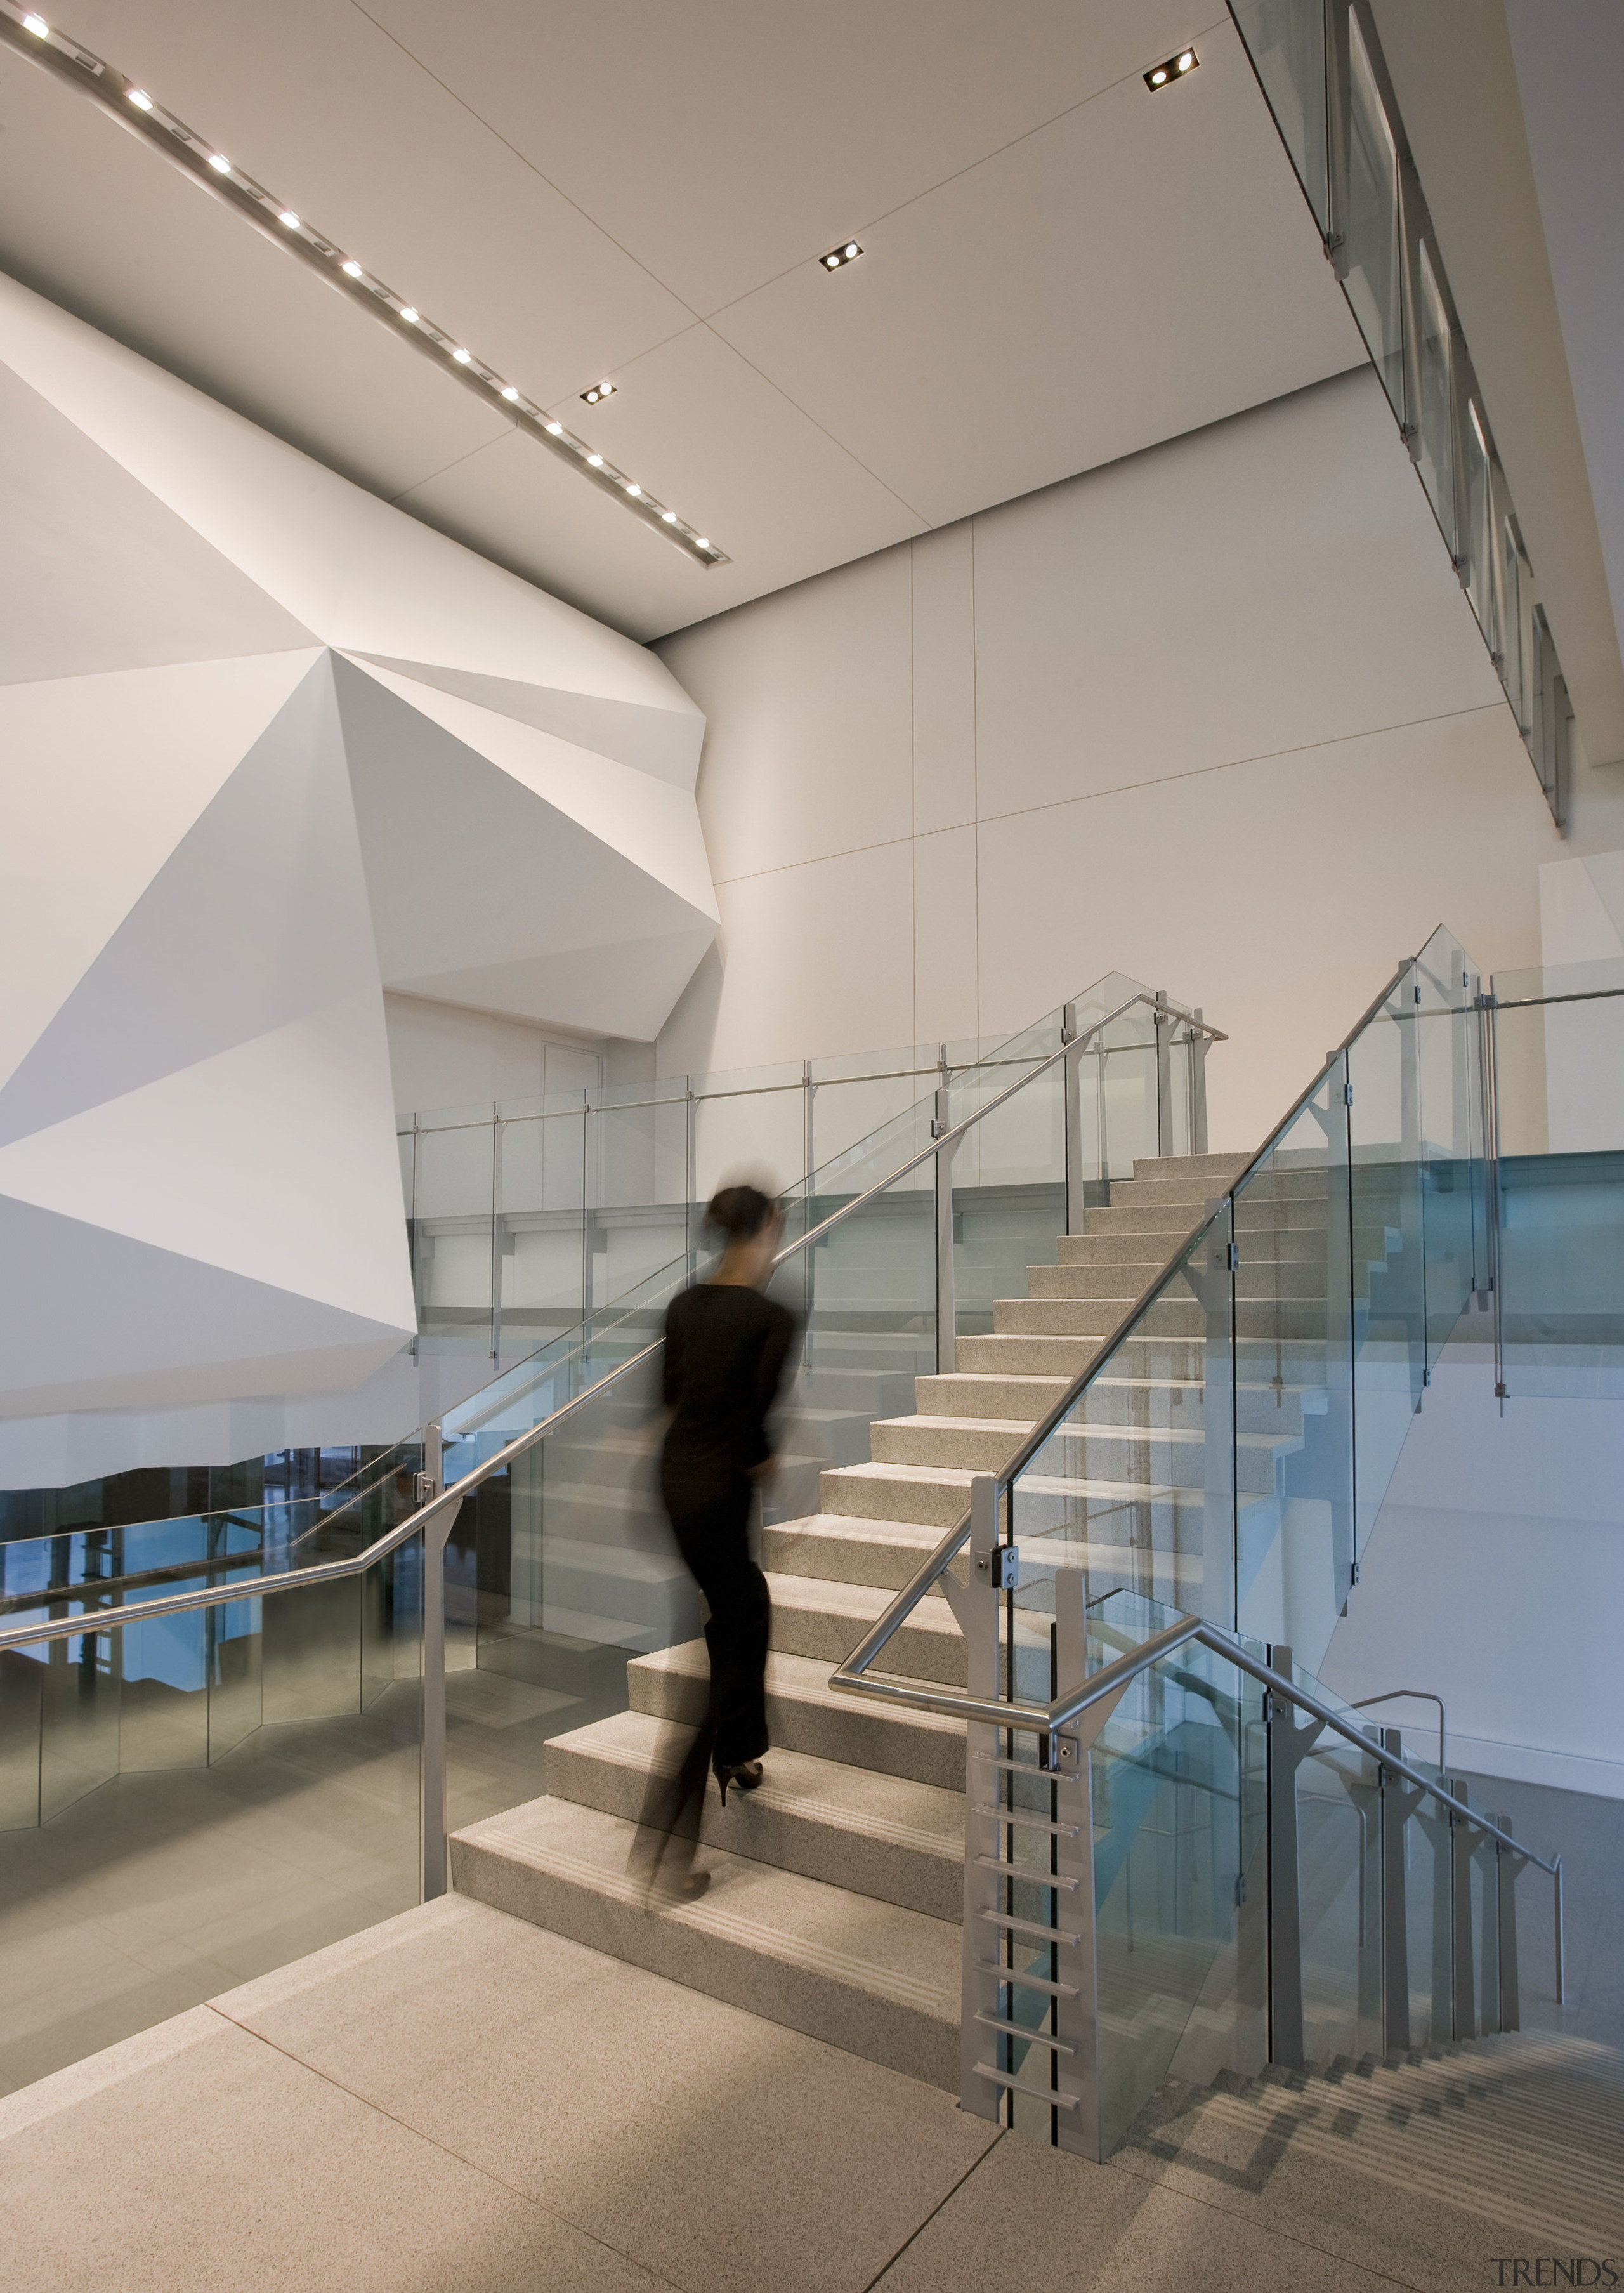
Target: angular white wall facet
[
  {"x": 98, "y": 574},
  {"x": 361, "y": 574},
  {"x": 101, "y": 778},
  {"x": 663, "y": 741},
  {"x": 486, "y": 890},
  {"x": 258, "y": 914}
]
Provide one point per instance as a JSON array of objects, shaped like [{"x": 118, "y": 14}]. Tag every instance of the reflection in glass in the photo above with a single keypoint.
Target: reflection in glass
[
  {"x": 1436, "y": 449},
  {"x": 1372, "y": 276}
]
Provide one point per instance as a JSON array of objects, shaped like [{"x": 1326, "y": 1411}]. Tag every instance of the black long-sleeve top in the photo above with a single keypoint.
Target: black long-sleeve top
[{"x": 726, "y": 1350}]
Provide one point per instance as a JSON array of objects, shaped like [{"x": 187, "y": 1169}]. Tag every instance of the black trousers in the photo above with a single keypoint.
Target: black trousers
[{"x": 712, "y": 1524}]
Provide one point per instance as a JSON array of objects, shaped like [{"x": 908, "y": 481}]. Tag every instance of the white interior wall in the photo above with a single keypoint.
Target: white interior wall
[
  {"x": 1217, "y": 716},
  {"x": 445, "y": 1055}
]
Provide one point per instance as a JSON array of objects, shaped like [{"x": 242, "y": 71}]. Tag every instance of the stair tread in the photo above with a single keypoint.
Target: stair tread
[
  {"x": 919, "y": 1815},
  {"x": 806, "y": 1680},
  {"x": 901, "y": 1957}
]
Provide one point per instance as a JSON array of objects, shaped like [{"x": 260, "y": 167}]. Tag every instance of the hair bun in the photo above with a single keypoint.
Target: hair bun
[{"x": 739, "y": 1213}]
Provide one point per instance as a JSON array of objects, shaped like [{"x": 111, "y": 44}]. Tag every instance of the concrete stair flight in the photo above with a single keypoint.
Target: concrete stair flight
[{"x": 835, "y": 1899}]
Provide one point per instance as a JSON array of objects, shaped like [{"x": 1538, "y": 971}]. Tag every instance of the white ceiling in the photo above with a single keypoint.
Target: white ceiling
[{"x": 1059, "y": 267}]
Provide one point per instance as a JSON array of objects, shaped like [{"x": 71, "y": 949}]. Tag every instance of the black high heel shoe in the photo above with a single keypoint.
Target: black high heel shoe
[{"x": 745, "y": 1777}]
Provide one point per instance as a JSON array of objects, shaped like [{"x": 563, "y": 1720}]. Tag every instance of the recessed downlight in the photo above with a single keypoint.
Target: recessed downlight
[
  {"x": 290, "y": 219},
  {"x": 353, "y": 269},
  {"x": 408, "y": 314},
  {"x": 839, "y": 256},
  {"x": 595, "y": 461},
  {"x": 38, "y": 26},
  {"x": 599, "y": 390},
  {"x": 667, "y": 517},
  {"x": 462, "y": 357},
  {"x": 635, "y": 492},
  {"x": 1176, "y": 67},
  {"x": 218, "y": 161},
  {"x": 139, "y": 97},
  {"x": 555, "y": 429},
  {"x": 511, "y": 394}
]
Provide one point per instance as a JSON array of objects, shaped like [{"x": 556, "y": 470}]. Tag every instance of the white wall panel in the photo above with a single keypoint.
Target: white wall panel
[{"x": 1216, "y": 716}]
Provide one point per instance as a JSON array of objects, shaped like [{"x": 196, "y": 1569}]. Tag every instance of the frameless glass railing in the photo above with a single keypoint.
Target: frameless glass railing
[
  {"x": 329, "y": 1681},
  {"x": 1320, "y": 65}
]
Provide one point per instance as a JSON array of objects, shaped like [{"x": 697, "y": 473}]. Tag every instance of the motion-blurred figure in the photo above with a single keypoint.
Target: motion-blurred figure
[{"x": 726, "y": 1351}]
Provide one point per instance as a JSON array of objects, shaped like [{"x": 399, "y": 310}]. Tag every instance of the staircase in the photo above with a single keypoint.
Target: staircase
[{"x": 838, "y": 1887}]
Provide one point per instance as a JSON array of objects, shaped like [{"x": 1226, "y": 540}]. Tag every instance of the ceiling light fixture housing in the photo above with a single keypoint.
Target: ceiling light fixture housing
[
  {"x": 1178, "y": 67},
  {"x": 839, "y": 256},
  {"x": 27, "y": 34}
]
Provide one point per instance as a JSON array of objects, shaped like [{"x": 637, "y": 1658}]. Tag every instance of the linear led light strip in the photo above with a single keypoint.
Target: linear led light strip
[{"x": 30, "y": 35}]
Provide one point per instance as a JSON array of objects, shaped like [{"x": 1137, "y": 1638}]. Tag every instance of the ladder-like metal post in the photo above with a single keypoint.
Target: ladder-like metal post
[{"x": 1076, "y": 1970}]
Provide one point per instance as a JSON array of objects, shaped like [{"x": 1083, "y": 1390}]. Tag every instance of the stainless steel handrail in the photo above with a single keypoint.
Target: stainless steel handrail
[
  {"x": 920, "y": 1582},
  {"x": 1414, "y": 1696},
  {"x": 356, "y": 1564}
]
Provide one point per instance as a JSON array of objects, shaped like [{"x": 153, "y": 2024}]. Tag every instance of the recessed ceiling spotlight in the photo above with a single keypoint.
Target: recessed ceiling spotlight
[
  {"x": 635, "y": 492},
  {"x": 139, "y": 97},
  {"x": 462, "y": 357},
  {"x": 599, "y": 390},
  {"x": 408, "y": 314},
  {"x": 839, "y": 258},
  {"x": 510, "y": 393},
  {"x": 288, "y": 217},
  {"x": 596, "y": 461},
  {"x": 1175, "y": 67},
  {"x": 667, "y": 517},
  {"x": 353, "y": 269},
  {"x": 701, "y": 543},
  {"x": 218, "y": 161},
  {"x": 555, "y": 429},
  {"x": 38, "y": 26}
]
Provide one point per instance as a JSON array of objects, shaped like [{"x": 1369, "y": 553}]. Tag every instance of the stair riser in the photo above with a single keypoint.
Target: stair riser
[
  {"x": 917, "y": 1652},
  {"x": 1169, "y": 1224},
  {"x": 878, "y": 1496},
  {"x": 854, "y": 1730},
  {"x": 1021, "y": 1400},
  {"x": 874, "y": 1560},
  {"x": 753, "y": 1825},
  {"x": 1120, "y": 1277},
  {"x": 960, "y": 1448},
  {"x": 729, "y": 1967},
  {"x": 1037, "y": 1357},
  {"x": 1215, "y": 1172},
  {"x": 1158, "y": 1407},
  {"x": 1163, "y": 1464}
]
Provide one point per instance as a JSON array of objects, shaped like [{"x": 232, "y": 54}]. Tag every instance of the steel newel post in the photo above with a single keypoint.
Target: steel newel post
[
  {"x": 1197, "y": 1048},
  {"x": 1561, "y": 1984},
  {"x": 1398, "y": 1804},
  {"x": 1285, "y": 1902},
  {"x": 1507, "y": 1865},
  {"x": 435, "y": 1531},
  {"x": 1081, "y": 2128},
  {"x": 1071, "y": 1070},
  {"x": 976, "y": 1605},
  {"x": 1463, "y": 2004},
  {"x": 946, "y": 1309},
  {"x": 1161, "y": 1019}
]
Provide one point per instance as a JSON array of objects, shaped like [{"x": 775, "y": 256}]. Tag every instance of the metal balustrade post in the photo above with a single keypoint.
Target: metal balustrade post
[
  {"x": 1399, "y": 1802},
  {"x": 946, "y": 1309},
  {"x": 1197, "y": 1049},
  {"x": 1462, "y": 1988},
  {"x": 1286, "y": 1749},
  {"x": 975, "y": 1606},
  {"x": 1162, "y": 1020},
  {"x": 1071, "y": 1070},
  {"x": 1076, "y": 1969},
  {"x": 1508, "y": 1863}
]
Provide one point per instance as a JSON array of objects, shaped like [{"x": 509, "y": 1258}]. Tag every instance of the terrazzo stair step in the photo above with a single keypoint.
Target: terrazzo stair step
[
  {"x": 848, "y": 1551},
  {"x": 1060, "y": 1317},
  {"x": 1057, "y": 1358},
  {"x": 1225, "y": 1168},
  {"x": 970, "y": 1445},
  {"x": 867, "y": 1976},
  {"x": 899, "y": 1842},
  {"x": 954, "y": 1393},
  {"x": 818, "y": 1617},
  {"x": 805, "y": 1714},
  {"x": 1130, "y": 1247},
  {"x": 1193, "y": 1191},
  {"x": 934, "y": 1496},
  {"x": 1117, "y": 1277},
  {"x": 1142, "y": 1217}
]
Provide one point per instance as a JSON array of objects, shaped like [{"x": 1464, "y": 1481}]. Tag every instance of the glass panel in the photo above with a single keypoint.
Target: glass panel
[
  {"x": 210, "y": 1794},
  {"x": 1477, "y": 528},
  {"x": 1136, "y": 1485},
  {"x": 1180, "y": 1870},
  {"x": 1294, "y": 1399},
  {"x": 1513, "y": 636},
  {"x": 1286, "y": 40},
  {"x": 1452, "y": 1205},
  {"x": 1372, "y": 276},
  {"x": 1435, "y": 458},
  {"x": 1428, "y": 1913},
  {"x": 1388, "y": 1247},
  {"x": 1338, "y": 1820}
]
